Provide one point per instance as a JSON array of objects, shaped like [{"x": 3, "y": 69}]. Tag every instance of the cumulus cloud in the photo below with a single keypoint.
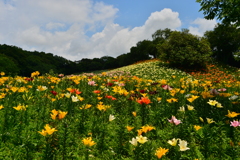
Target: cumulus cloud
[
  {"x": 119, "y": 40},
  {"x": 60, "y": 27},
  {"x": 114, "y": 40},
  {"x": 201, "y": 26},
  {"x": 51, "y": 25}
]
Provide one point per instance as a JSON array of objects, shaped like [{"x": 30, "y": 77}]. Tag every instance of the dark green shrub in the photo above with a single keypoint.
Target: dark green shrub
[{"x": 183, "y": 49}]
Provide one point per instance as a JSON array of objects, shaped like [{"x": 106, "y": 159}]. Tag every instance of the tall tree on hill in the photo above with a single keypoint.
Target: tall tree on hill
[
  {"x": 140, "y": 51},
  {"x": 182, "y": 49},
  {"x": 161, "y": 35},
  {"x": 159, "y": 38},
  {"x": 225, "y": 43},
  {"x": 148, "y": 48}
]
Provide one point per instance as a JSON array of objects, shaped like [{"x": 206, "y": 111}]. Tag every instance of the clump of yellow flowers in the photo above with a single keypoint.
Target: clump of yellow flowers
[
  {"x": 88, "y": 142},
  {"x": 48, "y": 130},
  {"x": 2, "y": 73},
  {"x": 21, "y": 107},
  {"x": 160, "y": 152},
  {"x": 34, "y": 74},
  {"x": 60, "y": 114}
]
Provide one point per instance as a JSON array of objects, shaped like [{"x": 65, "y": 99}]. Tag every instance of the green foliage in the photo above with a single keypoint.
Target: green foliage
[
  {"x": 108, "y": 62},
  {"x": 29, "y": 62},
  {"x": 226, "y": 10},
  {"x": 161, "y": 35},
  {"x": 7, "y": 65},
  {"x": 124, "y": 59},
  {"x": 183, "y": 49},
  {"x": 225, "y": 43},
  {"x": 141, "y": 51},
  {"x": 237, "y": 55},
  {"x": 158, "y": 38}
]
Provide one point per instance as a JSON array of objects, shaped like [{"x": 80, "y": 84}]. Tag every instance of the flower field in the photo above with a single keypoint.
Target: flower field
[{"x": 144, "y": 111}]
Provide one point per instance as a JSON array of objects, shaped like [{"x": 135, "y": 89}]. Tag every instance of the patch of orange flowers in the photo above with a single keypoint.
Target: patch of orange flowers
[
  {"x": 144, "y": 100},
  {"x": 145, "y": 61},
  {"x": 212, "y": 73}
]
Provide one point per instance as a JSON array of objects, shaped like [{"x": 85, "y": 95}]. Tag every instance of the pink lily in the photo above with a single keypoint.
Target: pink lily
[
  {"x": 166, "y": 87},
  {"x": 222, "y": 89},
  {"x": 174, "y": 120},
  {"x": 235, "y": 123}
]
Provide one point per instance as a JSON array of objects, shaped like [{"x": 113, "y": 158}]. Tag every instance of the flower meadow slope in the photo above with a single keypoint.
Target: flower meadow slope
[
  {"x": 153, "y": 69},
  {"x": 116, "y": 115}
]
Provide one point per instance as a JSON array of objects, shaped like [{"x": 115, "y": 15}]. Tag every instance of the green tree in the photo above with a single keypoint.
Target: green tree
[
  {"x": 183, "y": 49},
  {"x": 161, "y": 35},
  {"x": 140, "y": 51},
  {"x": 158, "y": 38},
  {"x": 124, "y": 59},
  {"x": 7, "y": 65},
  {"x": 228, "y": 11},
  {"x": 109, "y": 62},
  {"x": 225, "y": 43},
  {"x": 96, "y": 64}
]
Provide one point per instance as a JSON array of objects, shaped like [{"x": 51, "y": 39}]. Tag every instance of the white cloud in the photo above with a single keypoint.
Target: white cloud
[
  {"x": 203, "y": 25},
  {"x": 60, "y": 26},
  {"x": 51, "y": 25},
  {"x": 115, "y": 40}
]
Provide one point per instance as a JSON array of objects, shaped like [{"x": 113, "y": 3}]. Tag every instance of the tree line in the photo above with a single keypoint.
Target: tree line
[{"x": 16, "y": 61}]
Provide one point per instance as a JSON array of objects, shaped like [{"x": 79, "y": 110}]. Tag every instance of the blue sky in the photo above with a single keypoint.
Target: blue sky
[
  {"x": 77, "y": 29},
  {"x": 135, "y": 12}
]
